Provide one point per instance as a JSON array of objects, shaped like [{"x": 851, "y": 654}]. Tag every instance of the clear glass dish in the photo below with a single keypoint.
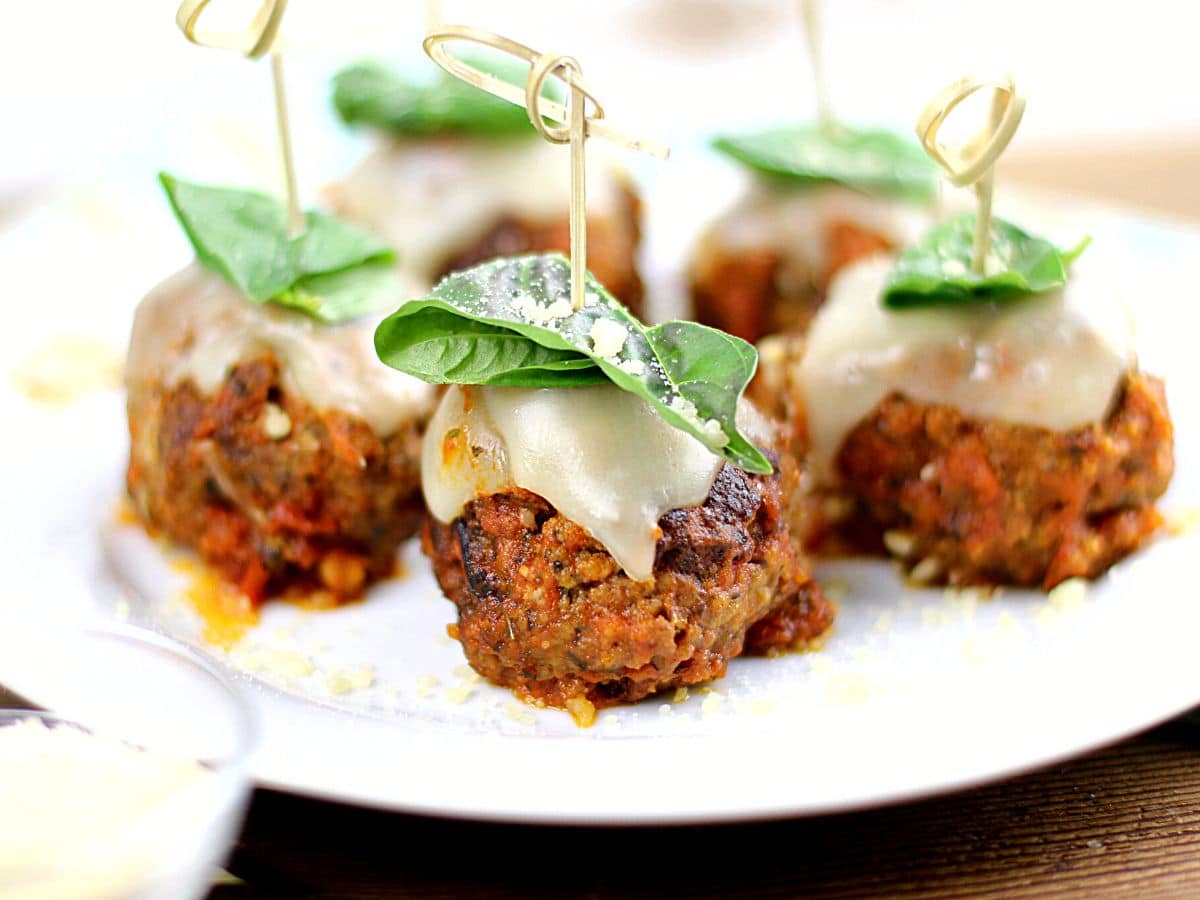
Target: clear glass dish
[{"x": 147, "y": 692}]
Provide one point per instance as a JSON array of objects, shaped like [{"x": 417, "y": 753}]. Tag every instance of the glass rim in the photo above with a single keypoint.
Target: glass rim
[{"x": 245, "y": 730}]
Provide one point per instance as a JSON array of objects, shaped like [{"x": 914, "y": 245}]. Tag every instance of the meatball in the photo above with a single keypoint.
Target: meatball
[
  {"x": 275, "y": 495},
  {"x": 545, "y": 609},
  {"x": 612, "y": 243},
  {"x": 447, "y": 203},
  {"x": 775, "y": 388},
  {"x": 754, "y": 292},
  {"x": 986, "y": 502}
]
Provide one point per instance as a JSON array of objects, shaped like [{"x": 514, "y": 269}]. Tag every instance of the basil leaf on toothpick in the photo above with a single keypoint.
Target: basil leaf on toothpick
[
  {"x": 872, "y": 161},
  {"x": 369, "y": 93},
  {"x": 693, "y": 375},
  {"x": 253, "y": 41},
  {"x": 571, "y": 124},
  {"x": 331, "y": 270},
  {"x": 975, "y": 258},
  {"x": 938, "y": 269}
]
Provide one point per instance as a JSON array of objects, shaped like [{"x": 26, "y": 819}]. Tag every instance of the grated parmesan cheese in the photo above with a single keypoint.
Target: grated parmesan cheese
[
  {"x": 1183, "y": 521},
  {"x": 608, "y": 337},
  {"x": 1068, "y": 594},
  {"x": 534, "y": 312},
  {"x": 582, "y": 711},
  {"x": 67, "y": 368},
  {"x": 519, "y": 714},
  {"x": 711, "y": 703},
  {"x": 277, "y": 424},
  {"x": 339, "y": 682},
  {"x": 280, "y": 662}
]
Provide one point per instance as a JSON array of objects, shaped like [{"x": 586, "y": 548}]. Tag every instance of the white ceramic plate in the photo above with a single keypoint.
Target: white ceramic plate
[{"x": 916, "y": 692}]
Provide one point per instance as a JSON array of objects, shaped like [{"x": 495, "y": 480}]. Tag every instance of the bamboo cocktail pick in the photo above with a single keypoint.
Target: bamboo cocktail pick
[
  {"x": 433, "y": 14},
  {"x": 252, "y": 42},
  {"x": 975, "y": 162},
  {"x": 574, "y": 124},
  {"x": 810, "y": 15}
]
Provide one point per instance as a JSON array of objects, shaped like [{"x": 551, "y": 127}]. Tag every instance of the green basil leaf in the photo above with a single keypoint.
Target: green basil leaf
[
  {"x": 703, "y": 362},
  {"x": 348, "y": 294},
  {"x": 692, "y": 374},
  {"x": 368, "y": 93},
  {"x": 445, "y": 348},
  {"x": 937, "y": 271},
  {"x": 332, "y": 271},
  {"x": 873, "y": 161}
]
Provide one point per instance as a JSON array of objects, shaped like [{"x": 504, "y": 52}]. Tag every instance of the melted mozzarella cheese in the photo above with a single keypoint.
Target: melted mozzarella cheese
[
  {"x": 197, "y": 326},
  {"x": 432, "y": 198},
  {"x": 600, "y": 455},
  {"x": 1053, "y": 360},
  {"x": 796, "y": 223}
]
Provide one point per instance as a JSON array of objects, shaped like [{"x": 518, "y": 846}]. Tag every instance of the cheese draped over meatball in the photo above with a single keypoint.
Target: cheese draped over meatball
[
  {"x": 1054, "y": 360},
  {"x": 196, "y": 326},
  {"x": 602, "y": 457},
  {"x": 797, "y": 222},
  {"x": 430, "y": 198}
]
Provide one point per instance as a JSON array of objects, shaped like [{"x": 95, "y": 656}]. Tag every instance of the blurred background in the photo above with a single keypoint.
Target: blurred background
[{"x": 105, "y": 94}]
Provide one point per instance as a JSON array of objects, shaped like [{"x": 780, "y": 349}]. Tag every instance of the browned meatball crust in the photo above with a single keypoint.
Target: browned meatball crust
[
  {"x": 744, "y": 292},
  {"x": 612, "y": 246},
  {"x": 324, "y": 506},
  {"x": 545, "y": 609},
  {"x": 990, "y": 502}
]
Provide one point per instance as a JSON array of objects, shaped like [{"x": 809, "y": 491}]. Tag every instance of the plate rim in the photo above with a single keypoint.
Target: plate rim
[{"x": 460, "y": 806}]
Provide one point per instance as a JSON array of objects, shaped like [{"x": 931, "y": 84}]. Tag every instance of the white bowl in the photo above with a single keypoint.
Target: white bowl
[{"x": 170, "y": 847}]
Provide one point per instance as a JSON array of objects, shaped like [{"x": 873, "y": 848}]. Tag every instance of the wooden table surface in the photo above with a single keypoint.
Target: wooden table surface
[{"x": 1124, "y": 821}]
